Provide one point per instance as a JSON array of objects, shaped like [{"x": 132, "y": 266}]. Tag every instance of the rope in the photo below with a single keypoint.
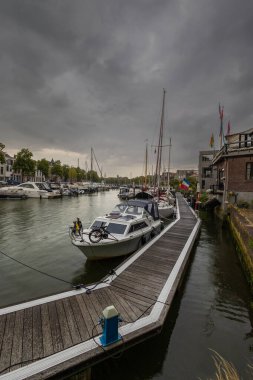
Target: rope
[{"x": 78, "y": 286}]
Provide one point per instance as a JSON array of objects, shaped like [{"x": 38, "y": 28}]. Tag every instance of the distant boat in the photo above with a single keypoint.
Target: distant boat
[
  {"x": 12, "y": 193},
  {"x": 120, "y": 232},
  {"x": 126, "y": 193},
  {"x": 34, "y": 190}
]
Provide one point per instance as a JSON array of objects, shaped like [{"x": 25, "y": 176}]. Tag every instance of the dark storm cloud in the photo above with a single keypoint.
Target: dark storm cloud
[{"x": 76, "y": 74}]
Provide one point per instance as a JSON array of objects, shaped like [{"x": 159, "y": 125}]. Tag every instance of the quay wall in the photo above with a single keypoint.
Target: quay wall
[{"x": 242, "y": 231}]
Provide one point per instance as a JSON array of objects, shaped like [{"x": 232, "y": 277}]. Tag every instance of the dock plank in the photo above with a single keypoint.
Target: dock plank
[
  {"x": 16, "y": 353},
  {"x": 73, "y": 328},
  {"x": 46, "y": 331},
  {"x": 27, "y": 352},
  {"x": 55, "y": 327},
  {"x": 5, "y": 359},
  {"x": 64, "y": 327}
]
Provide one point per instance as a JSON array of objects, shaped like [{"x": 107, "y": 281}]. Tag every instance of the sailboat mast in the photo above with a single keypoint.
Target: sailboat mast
[
  {"x": 159, "y": 150},
  {"x": 169, "y": 166},
  {"x": 146, "y": 167},
  {"x": 91, "y": 159}
]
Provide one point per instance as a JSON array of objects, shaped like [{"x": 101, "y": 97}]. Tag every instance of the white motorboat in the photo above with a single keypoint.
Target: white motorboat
[
  {"x": 34, "y": 190},
  {"x": 120, "y": 232}
]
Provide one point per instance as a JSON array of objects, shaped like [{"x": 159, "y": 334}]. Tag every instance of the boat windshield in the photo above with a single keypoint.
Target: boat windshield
[
  {"x": 40, "y": 185},
  {"x": 115, "y": 228},
  {"x": 134, "y": 210},
  {"x": 119, "y": 208}
]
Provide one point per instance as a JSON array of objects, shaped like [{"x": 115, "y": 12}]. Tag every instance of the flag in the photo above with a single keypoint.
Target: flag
[
  {"x": 212, "y": 141},
  {"x": 229, "y": 127},
  {"x": 185, "y": 184}
]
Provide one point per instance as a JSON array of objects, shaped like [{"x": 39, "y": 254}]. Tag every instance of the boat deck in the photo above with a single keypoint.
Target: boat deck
[{"x": 49, "y": 336}]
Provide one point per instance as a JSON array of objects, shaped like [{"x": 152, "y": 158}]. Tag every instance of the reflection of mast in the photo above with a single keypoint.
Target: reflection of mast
[{"x": 159, "y": 150}]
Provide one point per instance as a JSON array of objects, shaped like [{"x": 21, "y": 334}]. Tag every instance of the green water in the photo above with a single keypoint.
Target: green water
[{"x": 211, "y": 311}]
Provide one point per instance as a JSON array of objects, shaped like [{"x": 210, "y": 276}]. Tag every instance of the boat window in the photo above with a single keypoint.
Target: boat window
[
  {"x": 115, "y": 228},
  {"x": 40, "y": 185},
  {"x": 28, "y": 186},
  {"x": 98, "y": 224},
  {"x": 138, "y": 226},
  {"x": 119, "y": 208},
  {"x": 135, "y": 210}
]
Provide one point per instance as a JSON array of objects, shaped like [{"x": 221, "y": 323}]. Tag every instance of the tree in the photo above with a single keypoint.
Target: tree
[
  {"x": 24, "y": 162},
  {"x": 2, "y": 157},
  {"x": 56, "y": 169},
  {"x": 93, "y": 176},
  {"x": 65, "y": 172},
  {"x": 72, "y": 174},
  {"x": 43, "y": 166}
]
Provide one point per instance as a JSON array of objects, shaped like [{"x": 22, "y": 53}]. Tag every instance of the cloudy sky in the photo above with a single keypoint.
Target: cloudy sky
[{"x": 76, "y": 74}]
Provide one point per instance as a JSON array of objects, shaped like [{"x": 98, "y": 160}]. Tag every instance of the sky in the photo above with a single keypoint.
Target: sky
[{"x": 76, "y": 74}]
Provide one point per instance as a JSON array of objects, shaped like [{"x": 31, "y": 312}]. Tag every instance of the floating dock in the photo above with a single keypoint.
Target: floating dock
[{"x": 57, "y": 334}]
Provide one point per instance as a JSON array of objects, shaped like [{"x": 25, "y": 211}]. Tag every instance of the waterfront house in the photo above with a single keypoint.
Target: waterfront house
[
  {"x": 207, "y": 172},
  {"x": 234, "y": 163}
]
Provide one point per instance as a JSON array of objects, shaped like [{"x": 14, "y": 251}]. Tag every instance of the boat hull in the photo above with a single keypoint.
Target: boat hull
[
  {"x": 108, "y": 249},
  {"x": 166, "y": 212}
]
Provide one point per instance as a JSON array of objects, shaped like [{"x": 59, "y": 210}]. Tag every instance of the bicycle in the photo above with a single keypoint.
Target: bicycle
[{"x": 99, "y": 233}]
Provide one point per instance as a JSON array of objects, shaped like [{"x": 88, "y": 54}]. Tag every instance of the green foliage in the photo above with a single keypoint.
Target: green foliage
[
  {"x": 65, "y": 172},
  {"x": 250, "y": 243},
  {"x": 2, "y": 158},
  {"x": 24, "y": 162},
  {"x": 242, "y": 204},
  {"x": 203, "y": 197},
  {"x": 43, "y": 166},
  {"x": 56, "y": 169},
  {"x": 72, "y": 174},
  {"x": 93, "y": 176}
]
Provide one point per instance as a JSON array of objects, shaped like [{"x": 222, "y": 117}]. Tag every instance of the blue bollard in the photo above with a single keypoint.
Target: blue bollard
[{"x": 110, "y": 322}]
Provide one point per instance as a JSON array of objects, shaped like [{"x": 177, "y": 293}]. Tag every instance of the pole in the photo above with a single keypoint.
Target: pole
[{"x": 169, "y": 166}]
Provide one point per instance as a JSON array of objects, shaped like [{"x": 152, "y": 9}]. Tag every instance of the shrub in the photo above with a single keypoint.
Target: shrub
[{"x": 243, "y": 204}]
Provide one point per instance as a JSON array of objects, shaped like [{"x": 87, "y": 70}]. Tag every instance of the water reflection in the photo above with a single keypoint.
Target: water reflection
[{"x": 213, "y": 309}]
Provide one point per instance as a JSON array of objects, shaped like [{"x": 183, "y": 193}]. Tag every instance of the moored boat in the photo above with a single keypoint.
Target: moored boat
[
  {"x": 34, "y": 190},
  {"x": 121, "y": 232}
]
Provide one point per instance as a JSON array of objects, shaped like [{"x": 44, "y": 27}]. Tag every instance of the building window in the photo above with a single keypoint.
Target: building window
[
  {"x": 249, "y": 170},
  {"x": 1, "y": 170}
]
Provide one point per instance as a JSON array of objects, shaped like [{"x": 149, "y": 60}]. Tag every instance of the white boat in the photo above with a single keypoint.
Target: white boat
[
  {"x": 120, "y": 232},
  {"x": 126, "y": 193},
  {"x": 34, "y": 190}
]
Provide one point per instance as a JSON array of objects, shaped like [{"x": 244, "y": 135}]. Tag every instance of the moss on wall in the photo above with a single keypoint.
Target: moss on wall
[{"x": 243, "y": 236}]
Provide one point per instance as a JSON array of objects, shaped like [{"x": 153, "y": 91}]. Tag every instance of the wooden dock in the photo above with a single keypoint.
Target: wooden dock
[{"x": 53, "y": 335}]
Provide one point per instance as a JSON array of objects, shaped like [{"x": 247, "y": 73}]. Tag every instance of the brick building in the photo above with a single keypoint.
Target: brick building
[{"x": 234, "y": 164}]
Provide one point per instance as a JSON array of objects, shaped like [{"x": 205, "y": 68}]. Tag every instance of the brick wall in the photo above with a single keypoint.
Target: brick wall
[{"x": 237, "y": 175}]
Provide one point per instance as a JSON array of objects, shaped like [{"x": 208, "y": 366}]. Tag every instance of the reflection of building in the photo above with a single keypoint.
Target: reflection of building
[
  {"x": 234, "y": 164},
  {"x": 207, "y": 173}
]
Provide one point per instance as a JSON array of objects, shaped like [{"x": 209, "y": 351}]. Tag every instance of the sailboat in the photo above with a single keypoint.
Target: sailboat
[{"x": 165, "y": 203}]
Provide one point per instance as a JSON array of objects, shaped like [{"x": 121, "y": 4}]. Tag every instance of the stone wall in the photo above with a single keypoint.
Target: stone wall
[{"x": 242, "y": 230}]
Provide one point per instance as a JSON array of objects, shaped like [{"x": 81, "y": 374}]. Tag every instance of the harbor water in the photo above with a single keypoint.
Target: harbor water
[{"x": 211, "y": 312}]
